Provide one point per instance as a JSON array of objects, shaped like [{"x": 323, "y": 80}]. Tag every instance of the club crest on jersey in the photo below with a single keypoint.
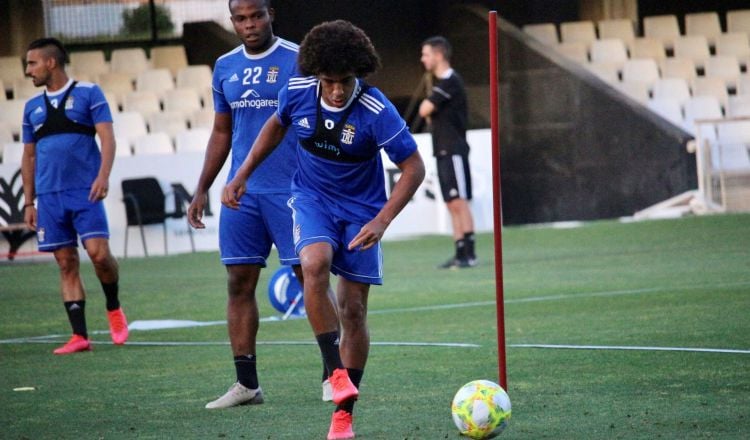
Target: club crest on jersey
[
  {"x": 273, "y": 74},
  {"x": 69, "y": 103},
  {"x": 347, "y": 134}
]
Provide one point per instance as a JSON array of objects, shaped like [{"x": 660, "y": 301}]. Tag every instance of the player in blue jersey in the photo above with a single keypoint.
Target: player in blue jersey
[
  {"x": 246, "y": 83},
  {"x": 64, "y": 170},
  {"x": 339, "y": 201}
]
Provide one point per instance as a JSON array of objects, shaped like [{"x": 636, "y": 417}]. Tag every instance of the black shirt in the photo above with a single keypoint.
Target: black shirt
[{"x": 450, "y": 117}]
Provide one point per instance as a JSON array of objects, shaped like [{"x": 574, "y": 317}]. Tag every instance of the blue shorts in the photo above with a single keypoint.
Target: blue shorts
[
  {"x": 65, "y": 215},
  {"x": 314, "y": 223},
  {"x": 246, "y": 235}
]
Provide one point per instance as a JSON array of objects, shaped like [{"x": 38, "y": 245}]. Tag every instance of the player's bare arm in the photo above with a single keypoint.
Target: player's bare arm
[
  {"x": 268, "y": 139},
  {"x": 100, "y": 186},
  {"x": 28, "y": 162},
  {"x": 412, "y": 175}
]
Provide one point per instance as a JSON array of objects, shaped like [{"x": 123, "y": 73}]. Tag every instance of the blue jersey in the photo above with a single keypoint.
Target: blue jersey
[
  {"x": 343, "y": 167},
  {"x": 247, "y": 86},
  {"x": 66, "y": 161}
]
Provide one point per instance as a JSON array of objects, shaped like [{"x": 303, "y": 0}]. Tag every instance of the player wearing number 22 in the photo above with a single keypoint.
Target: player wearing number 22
[{"x": 338, "y": 192}]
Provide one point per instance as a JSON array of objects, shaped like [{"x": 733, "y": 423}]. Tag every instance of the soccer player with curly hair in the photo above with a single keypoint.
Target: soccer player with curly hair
[{"x": 339, "y": 202}]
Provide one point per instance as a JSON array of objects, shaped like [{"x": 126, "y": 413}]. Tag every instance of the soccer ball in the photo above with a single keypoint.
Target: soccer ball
[
  {"x": 285, "y": 292},
  {"x": 481, "y": 409}
]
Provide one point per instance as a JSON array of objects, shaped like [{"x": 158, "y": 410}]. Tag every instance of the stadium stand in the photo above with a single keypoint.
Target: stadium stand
[
  {"x": 119, "y": 85},
  {"x": 578, "y": 32},
  {"x": 694, "y": 48},
  {"x": 130, "y": 61},
  {"x": 708, "y": 86},
  {"x": 172, "y": 58},
  {"x": 739, "y": 106},
  {"x": 203, "y": 118},
  {"x": 676, "y": 88},
  {"x": 724, "y": 67},
  {"x": 153, "y": 143},
  {"x": 169, "y": 122},
  {"x": 642, "y": 70},
  {"x": 668, "y": 108},
  {"x": 544, "y": 32},
  {"x": 11, "y": 112},
  {"x": 194, "y": 140},
  {"x": 705, "y": 24},
  {"x": 734, "y": 44},
  {"x": 185, "y": 101},
  {"x": 664, "y": 28},
  {"x": 158, "y": 81},
  {"x": 128, "y": 126},
  {"x": 90, "y": 63},
  {"x": 11, "y": 69},
  {"x": 6, "y": 135},
  {"x": 701, "y": 107},
  {"x": 24, "y": 88},
  {"x": 621, "y": 29},
  {"x": 643, "y": 47},
  {"x": 12, "y": 152},
  {"x": 145, "y": 102},
  {"x": 609, "y": 51},
  {"x": 738, "y": 21},
  {"x": 678, "y": 68},
  {"x": 574, "y": 50}
]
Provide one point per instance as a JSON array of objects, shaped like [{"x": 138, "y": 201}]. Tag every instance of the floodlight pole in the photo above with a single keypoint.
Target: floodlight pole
[{"x": 496, "y": 199}]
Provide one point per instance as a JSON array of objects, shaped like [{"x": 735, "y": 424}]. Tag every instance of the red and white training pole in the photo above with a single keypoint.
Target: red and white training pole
[{"x": 497, "y": 200}]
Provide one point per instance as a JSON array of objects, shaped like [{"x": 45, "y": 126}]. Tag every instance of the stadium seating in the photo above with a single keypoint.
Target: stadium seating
[
  {"x": 578, "y": 31},
  {"x": 185, "y": 101},
  {"x": 194, "y": 140},
  {"x": 172, "y": 58},
  {"x": 739, "y": 106},
  {"x": 128, "y": 126},
  {"x": 167, "y": 122},
  {"x": 203, "y": 118},
  {"x": 738, "y": 21},
  {"x": 11, "y": 69},
  {"x": 24, "y": 88},
  {"x": 158, "y": 81},
  {"x": 607, "y": 72},
  {"x": 6, "y": 135},
  {"x": 726, "y": 68},
  {"x": 611, "y": 51},
  {"x": 676, "y": 88},
  {"x": 678, "y": 68},
  {"x": 12, "y": 153},
  {"x": 708, "y": 86},
  {"x": 702, "y": 107},
  {"x": 544, "y": 32},
  {"x": 153, "y": 143},
  {"x": 730, "y": 157},
  {"x": 694, "y": 48},
  {"x": 575, "y": 51},
  {"x": 648, "y": 48},
  {"x": 199, "y": 78},
  {"x": 131, "y": 62},
  {"x": 667, "y": 108},
  {"x": 663, "y": 28},
  {"x": 640, "y": 70},
  {"x": 705, "y": 24},
  {"x": 736, "y": 45},
  {"x": 621, "y": 29},
  {"x": 11, "y": 112},
  {"x": 117, "y": 84},
  {"x": 734, "y": 132},
  {"x": 635, "y": 90},
  {"x": 144, "y": 102},
  {"x": 743, "y": 84},
  {"x": 90, "y": 63}
]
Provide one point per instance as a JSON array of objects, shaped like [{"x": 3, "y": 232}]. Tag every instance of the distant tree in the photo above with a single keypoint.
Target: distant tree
[{"x": 138, "y": 21}]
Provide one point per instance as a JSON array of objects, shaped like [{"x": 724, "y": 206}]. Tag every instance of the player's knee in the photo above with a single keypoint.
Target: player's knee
[
  {"x": 68, "y": 263},
  {"x": 353, "y": 314}
]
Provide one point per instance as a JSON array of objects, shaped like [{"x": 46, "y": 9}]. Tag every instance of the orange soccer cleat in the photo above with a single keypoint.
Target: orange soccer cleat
[{"x": 75, "y": 344}]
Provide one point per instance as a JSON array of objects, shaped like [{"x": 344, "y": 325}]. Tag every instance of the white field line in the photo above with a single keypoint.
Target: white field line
[
  {"x": 210, "y": 343},
  {"x": 626, "y": 347}
]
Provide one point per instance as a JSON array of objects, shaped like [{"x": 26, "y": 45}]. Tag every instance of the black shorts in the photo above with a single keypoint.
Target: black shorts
[{"x": 454, "y": 176}]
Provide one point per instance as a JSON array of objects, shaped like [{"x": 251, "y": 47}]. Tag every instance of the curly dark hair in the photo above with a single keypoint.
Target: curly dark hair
[{"x": 337, "y": 47}]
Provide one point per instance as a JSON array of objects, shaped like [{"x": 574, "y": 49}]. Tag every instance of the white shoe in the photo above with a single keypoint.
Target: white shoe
[
  {"x": 327, "y": 391},
  {"x": 237, "y": 394}
]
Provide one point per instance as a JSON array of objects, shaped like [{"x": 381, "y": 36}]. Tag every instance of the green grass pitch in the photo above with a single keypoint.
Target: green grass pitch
[{"x": 660, "y": 284}]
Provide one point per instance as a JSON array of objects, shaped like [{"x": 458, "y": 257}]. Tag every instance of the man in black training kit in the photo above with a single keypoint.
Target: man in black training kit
[{"x": 446, "y": 111}]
